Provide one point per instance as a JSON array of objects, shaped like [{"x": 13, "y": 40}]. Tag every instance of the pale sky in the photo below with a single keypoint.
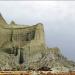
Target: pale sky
[{"x": 58, "y": 18}]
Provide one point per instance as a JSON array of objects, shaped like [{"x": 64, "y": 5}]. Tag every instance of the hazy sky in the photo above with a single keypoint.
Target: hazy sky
[{"x": 58, "y": 18}]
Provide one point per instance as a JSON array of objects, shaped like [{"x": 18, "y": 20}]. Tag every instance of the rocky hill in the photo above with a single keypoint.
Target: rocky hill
[{"x": 23, "y": 47}]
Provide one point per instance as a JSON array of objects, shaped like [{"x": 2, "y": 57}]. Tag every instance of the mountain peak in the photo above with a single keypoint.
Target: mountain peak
[{"x": 2, "y": 20}]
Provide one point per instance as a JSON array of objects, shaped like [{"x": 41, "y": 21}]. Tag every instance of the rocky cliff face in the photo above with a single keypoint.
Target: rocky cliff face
[
  {"x": 20, "y": 43},
  {"x": 25, "y": 45}
]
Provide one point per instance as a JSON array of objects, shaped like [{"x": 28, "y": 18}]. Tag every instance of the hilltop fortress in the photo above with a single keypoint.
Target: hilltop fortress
[{"x": 24, "y": 45}]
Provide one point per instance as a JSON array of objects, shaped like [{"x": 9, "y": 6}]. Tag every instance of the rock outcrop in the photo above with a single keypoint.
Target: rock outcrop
[{"x": 25, "y": 46}]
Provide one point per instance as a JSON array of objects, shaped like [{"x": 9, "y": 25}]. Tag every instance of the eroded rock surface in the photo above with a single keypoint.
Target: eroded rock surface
[{"x": 24, "y": 46}]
